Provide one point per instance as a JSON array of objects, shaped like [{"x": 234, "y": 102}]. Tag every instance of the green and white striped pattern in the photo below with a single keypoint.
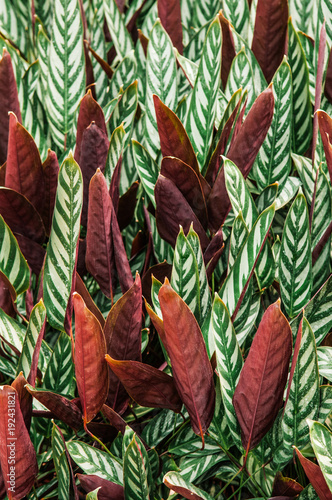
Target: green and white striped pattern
[
  {"x": 321, "y": 441},
  {"x": 241, "y": 75},
  {"x": 12, "y": 331},
  {"x": 243, "y": 332},
  {"x": 295, "y": 258},
  {"x": 185, "y": 275},
  {"x": 12, "y": 263},
  {"x": 127, "y": 439},
  {"x": 303, "y": 401},
  {"x": 94, "y": 461},
  {"x": 241, "y": 271},
  {"x": 160, "y": 427},
  {"x": 324, "y": 12},
  {"x": 229, "y": 361},
  {"x": 60, "y": 464},
  {"x": 98, "y": 44},
  {"x": 60, "y": 369},
  {"x": 162, "y": 249},
  {"x": 324, "y": 355},
  {"x": 219, "y": 429},
  {"x": 114, "y": 152},
  {"x": 66, "y": 69},
  {"x": 124, "y": 112},
  {"x": 187, "y": 442},
  {"x": 192, "y": 468},
  {"x": 61, "y": 249},
  {"x": 116, "y": 25},
  {"x": 43, "y": 46},
  {"x": 309, "y": 51},
  {"x": 237, "y": 12},
  {"x": 44, "y": 9},
  {"x": 194, "y": 48},
  {"x": 175, "y": 479},
  {"x": 325, "y": 408},
  {"x": 319, "y": 312},
  {"x": 202, "y": 109},
  {"x": 239, "y": 235},
  {"x": 160, "y": 80},
  {"x": 267, "y": 197},
  {"x": 302, "y": 15},
  {"x": 288, "y": 192},
  {"x": 273, "y": 162},
  {"x": 36, "y": 321},
  {"x": 306, "y": 173},
  {"x": 147, "y": 169},
  {"x": 137, "y": 478},
  {"x": 204, "y": 11},
  {"x": 124, "y": 75},
  {"x": 302, "y": 122},
  {"x": 11, "y": 24}
]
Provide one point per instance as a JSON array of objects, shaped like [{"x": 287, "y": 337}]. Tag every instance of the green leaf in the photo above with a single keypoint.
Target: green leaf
[
  {"x": 295, "y": 258},
  {"x": 60, "y": 463},
  {"x": 117, "y": 28},
  {"x": 242, "y": 75},
  {"x": 288, "y": 192},
  {"x": 324, "y": 355},
  {"x": 115, "y": 151},
  {"x": 160, "y": 80},
  {"x": 177, "y": 483},
  {"x": 98, "y": 44},
  {"x": 244, "y": 330},
  {"x": 147, "y": 169},
  {"x": 94, "y": 461},
  {"x": 319, "y": 311},
  {"x": 307, "y": 175},
  {"x": 187, "y": 442},
  {"x": 302, "y": 15},
  {"x": 66, "y": 69},
  {"x": 192, "y": 468},
  {"x": 124, "y": 112},
  {"x": 237, "y": 12},
  {"x": 321, "y": 441},
  {"x": 267, "y": 197},
  {"x": 11, "y": 331},
  {"x": 93, "y": 495},
  {"x": 160, "y": 427},
  {"x": 124, "y": 75},
  {"x": 202, "y": 108},
  {"x": 60, "y": 369},
  {"x": 61, "y": 249},
  {"x": 137, "y": 477},
  {"x": 325, "y": 408}
]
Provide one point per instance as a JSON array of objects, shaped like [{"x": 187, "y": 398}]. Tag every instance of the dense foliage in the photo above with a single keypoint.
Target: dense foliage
[{"x": 165, "y": 249}]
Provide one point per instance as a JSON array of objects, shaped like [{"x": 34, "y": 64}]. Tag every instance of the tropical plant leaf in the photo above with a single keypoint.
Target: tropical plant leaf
[
  {"x": 321, "y": 441},
  {"x": 324, "y": 356},
  {"x": 124, "y": 112},
  {"x": 60, "y": 369},
  {"x": 60, "y": 463},
  {"x": 238, "y": 15},
  {"x": 177, "y": 483},
  {"x": 137, "y": 477},
  {"x": 147, "y": 169},
  {"x": 116, "y": 25}
]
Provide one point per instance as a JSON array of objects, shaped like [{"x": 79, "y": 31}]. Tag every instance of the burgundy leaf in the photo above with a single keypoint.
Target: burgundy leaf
[
  {"x": 24, "y": 170},
  {"x": 325, "y": 128},
  {"x": 3, "y": 174},
  {"x": 228, "y": 49},
  {"x": 174, "y": 140},
  {"x": 90, "y": 365},
  {"x": 191, "y": 367},
  {"x": 172, "y": 211},
  {"x": 24, "y": 398},
  {"x": 115, "y": 185},
  {"x": 114, "y": 418},
  {"x": 107, "y": 491},
  {"x": 7, "y": 296},
  {"x": 328, "y": 79},
  {"x": 242, "y": 152},
  {"x": 188, "y": 183},
  {"x": 120, "y": 256},
  {"x": 315, "y": 476},
  {"x": 127, "y": 204},
  {"x": 51, "y": 172},
  {"x": 32, "y": 251},
  {"x": 2, "y": 486},
  {"x": 213, "y": 253},
  {"x": 169, "y": 12},
  {"x": 83, "y": 291},
  {"x": 94, "y": 148},
  {"x": 285, "y": 486},
  {"x": 259, "y": 393},
  {"x": 81, "y": 267},
  {"x": 105, "y": 66},
  {"x": 8, "y": 101},
  {"x": 146, "y": 385},
  {"x": 159, "y": 271},
  {"x": 123, "y": 338},
  {"x": 269, "y": 37},
  {"x": 17, "y": 454}
]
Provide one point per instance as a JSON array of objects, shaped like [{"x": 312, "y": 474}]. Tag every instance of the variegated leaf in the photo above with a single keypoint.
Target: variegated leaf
[
  {"x": 177, "y": 483},
  {"x": 204, "y": 11},
  {"x": 192, "y": 468},
  {"x": 61, "y": 250},
  {"x": 137, "y": 477},
  {"x": 325, "y": 408},
  {"x": 117, "y": 28},
  {"x": 124, "y": 112},
  {"x": 324, "y": 355},
  {"x": 303, "y": 166},
  {"x": 321, "y": 441},
  {"x": 309, "y": 51},
  {"x": 147, "y": 169},
  {"x": 187, "y": 442},
  {"x": 160, "y": 427},
  {"x": 124, "y": 75},
  {"x": 11, "y": 331},
  {"x": 238, "y": 15},
  {"x": 219, "y": 429},
  {"x": 239, "y": 235},
  {"x": 288, "y": 192},
  {"x": 98, "y": 44},
  {"x": 242, "y": 75},
  {"x": 60, "y": 369},
  {"x": 303, "y": 17},
  {"x": 324, "y": 14},
  {"x": 295, "y": 258},
  {"x": 60, "y": 464},
  {"x": 66, "y": 69},
  {"x": 243, "y": 332},
  {"x": 319, "y": 311},
  {"x": 267, "y": 197}
]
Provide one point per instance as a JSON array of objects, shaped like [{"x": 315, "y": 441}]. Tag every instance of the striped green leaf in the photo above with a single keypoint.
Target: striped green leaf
[
  {"x": 117, "y": 28},
  {"x": 187, "y": 442},
  {"x": 219, "y": 429},
  {"x": 242, "y": 75},
  {"x": 324, "y": 355},
  {"x": 43, "y": 45},
  {"x": 302, "y": 12},
  {"x": 60, "y": 369},
  {"x": 267, "y": 197},
  {"x": 124, "y": 112},
  {"x": 114, "y": 152},
  {"x": 325, "y": 408},
  {"x": 306, "y": 173},
  {"x": 241, "y": 272},
  {"x": 193, "y": 50},
  {"x": 175, "y": 480},
  {"x": 12, "y": 263},
  {"x": 202, "y": 108},
  {"x": 276, "y": 254},
  {"x": 160, "y": 80},
  {"x": 147, "y": 169},
  {"x": 127, "y": 439},
  {"x": 98, "y": 44},
  {"x": 160, "y": 427},
  {"x": 137, "y": 477},
  {"x": 239, "y": 235},
  {"x": 66, "y": 69},
  {"x": 36, "y": 322},
  {"x": 185, "y": 275},
  {"x": 94, "y": 461},
  {"x": 302, "y": 121},
  {"x": 309, "y": 51},
  {"x": 192, "y": 468},
  {"x": 238, "y": 15},
  {"x": 204, "y": 11},
  {"x": 273, "y": 162},
  {"x": 295, "y": 258},
  {"x": 163, "y": 250},
  {"x": 324, "y": 13},
  {"x": 60, "y": 464},
  {"x": 124, "y": 75},
  {"x": 303, "y": 401},
  {"x": 288, "y": 192},
  {"x": 242, "y": 332},
  {"x": 229, "y": 361},
  {"x": 308, "y": 493},
  {"x": 7, "y": 368},
  {"x": 93, "y": 495},
  {"x": 61, "y": 249},
  {"x": 319, "y": 311},
  {"x": 11, "y": 331},
  {"x": 321, "y": 441}
]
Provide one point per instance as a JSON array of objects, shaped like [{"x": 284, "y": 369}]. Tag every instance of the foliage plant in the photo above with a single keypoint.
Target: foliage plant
[{"x": 165, "y": 249}]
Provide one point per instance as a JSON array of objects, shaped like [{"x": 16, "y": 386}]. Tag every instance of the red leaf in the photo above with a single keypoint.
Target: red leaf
[
  {"x": 120, "y": 256},
  {"x": 188, "y": 183},
  {"x": 172, "y": 211},
  {"x": 144, "y": 41},
  {"x": 90, "y": 365},
  {"x": 259, "y": 393},
  {"x": 285, "y": 486},
  {"x": 127, "y": 204},
  {"x": 94, "y": 148},
  {"x": 269, "y": 38},
  {"x": 325, "y": 128},
  {"x": 105, "y": 66},
  {"x": 90, "y": 111},
  {"x": 328, "y": 79},
  {"x": 7, "y": 296},
  {"x": 242, "y": 152},
  {"x": 83, "y": 291},
  {"x": 114, "y": 418},
  {"x": 51, "y": 172},
  {"x": 159, "y": 271},
  {"x": 191, "y": 367},
  {"x": 24, "y": 171},
  {"x": 20, "y": 215},
  {"x": 146, "y": 385},
  {"x": 17, "y": 454},
  {"x": 315, "y": 476},
  {"x": 213, "y": 252},
  {"x": 24, "y": 398},
  {"x": 108, "y": 489},
  {"x": 174, "y": 140},
  {"x": 32, "y": 251},
  {"x": 8, "y": 101},
  {"x": 228, "y": 48},
  {"x": 169, "y": 12},
  {"x": 123, "y": 338}
]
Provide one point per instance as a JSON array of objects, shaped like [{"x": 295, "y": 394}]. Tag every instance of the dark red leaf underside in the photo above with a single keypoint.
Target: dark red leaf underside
[
  {"x": 106, "y": 67},
  {"x": 83, "y": 291},
  {"x": 108, "y": 490},
  {"x": 228, "y": 48},
  {"x": 51, "y": 172},
  {"x": 181, "y": 490},
  {"x": 7, "y": 296},
  {"x": 114, "y": 418},
  {"x": 169, "y": 12},
  {"x": 127, "y": 204},
  {"x": 328, "y": 79},
  {"x": 285, "y": 486},
  {"x": 32, "y": 251},
  {"x": 120, "y": 256},
  {"x": 24, "y": 397},
  {"x": 315, "y": 476}
]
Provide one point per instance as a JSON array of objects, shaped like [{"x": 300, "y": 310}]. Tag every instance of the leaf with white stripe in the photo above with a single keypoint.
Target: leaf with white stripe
[
  {"x": 192, "y": 468},
  {"x": 137, "y": 477},
  {"x": 242, "y": 75},
  {"x": 98, "y": 44},
  {"x": 302, "y": 109},
  {"x": 243, "y": 332},
  {"x": 147, "y": 169},
  {"x": 273, "y": 162},
  {"x": 60, "y": 464},
  {"x": 125, "y": 111},
  {"x": 187, "y": 442},
  {"x": 11, "y": 331},
  {"x": 325, "y": 408},
  {"x": 61, "y": 250},
  {"x": 115, "y": 151},
  {"x": 309, "y": 51},
  {"x": 160, "y": 427},
  {"x": 303, "y": 401},
  {"x": 324, "y": 14},
  {"x": 229, "y": 362},
  {"x": 60, "y": 369},
  {"x": 237, "y": 12},
  {"x": 304, "y": 168},
  {"x": 12, "y": 263},
  {"x": 124, "y": 75},
  {"x": 202, "y": 110},
  {"x": 160, "y": 80},
  {"x": 324, "y": 354},
  {"x": 117, "y": 28},
  {"x": 185, "y": 275},
  {"x": 302, "y": 15},
  {"x": 204, "y": 11},
  {"x": 94, "y": 461},
  {"x": 295, "y": 258},
  {"x": 66, "y": 69},
  {"x": 321, "y": 441},
  {"x": 175, "y": 482},
  {"x": 319, "y": 311},
  {"x": 288, "y": 192}
]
